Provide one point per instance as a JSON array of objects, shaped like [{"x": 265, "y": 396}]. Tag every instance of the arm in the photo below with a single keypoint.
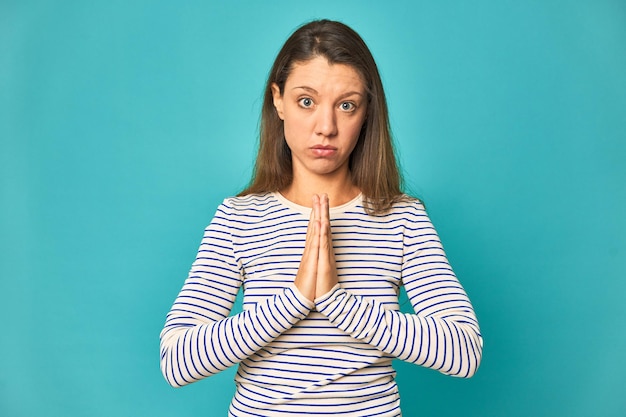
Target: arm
[
  {"x": 199, "y": 339},
  {"x": 443, "y": 334}
]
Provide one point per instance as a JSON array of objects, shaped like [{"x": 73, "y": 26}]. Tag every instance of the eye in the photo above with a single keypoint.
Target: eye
[
  {"x": 347, "y": 106},
  {"x": 305, "y": 102}
]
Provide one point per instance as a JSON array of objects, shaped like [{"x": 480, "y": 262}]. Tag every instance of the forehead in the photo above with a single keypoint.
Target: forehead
[{"x": 318, "y": 72}]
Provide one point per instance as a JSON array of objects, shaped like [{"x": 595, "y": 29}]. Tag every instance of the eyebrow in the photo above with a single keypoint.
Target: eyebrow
[{"x": 314, "y": 91}]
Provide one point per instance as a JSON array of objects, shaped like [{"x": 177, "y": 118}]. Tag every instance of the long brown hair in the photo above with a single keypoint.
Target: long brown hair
[{"x": 372, "y": 164}]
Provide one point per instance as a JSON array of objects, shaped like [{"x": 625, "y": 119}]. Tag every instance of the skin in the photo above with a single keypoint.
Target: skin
[
  {"x": 317, "y": 274},
  {"x": 323, "y": 107}
]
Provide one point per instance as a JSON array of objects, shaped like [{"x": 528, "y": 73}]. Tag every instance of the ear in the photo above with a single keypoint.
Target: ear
[{"x": 278, "y": 101}]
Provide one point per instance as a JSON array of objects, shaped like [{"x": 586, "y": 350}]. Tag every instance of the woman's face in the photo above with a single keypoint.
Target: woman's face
[{"x": 323, "y": 107}]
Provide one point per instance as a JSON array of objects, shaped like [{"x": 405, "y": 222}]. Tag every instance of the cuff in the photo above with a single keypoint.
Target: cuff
[
  {"x": 302, "y": 304},
  {"x": 324, "y": 300}
]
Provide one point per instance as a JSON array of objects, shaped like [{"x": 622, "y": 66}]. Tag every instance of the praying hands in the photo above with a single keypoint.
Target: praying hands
[{"x": 317, "y": 273}]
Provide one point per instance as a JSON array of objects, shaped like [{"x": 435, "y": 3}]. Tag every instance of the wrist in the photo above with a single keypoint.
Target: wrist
[{"x": 323, "y": 296}]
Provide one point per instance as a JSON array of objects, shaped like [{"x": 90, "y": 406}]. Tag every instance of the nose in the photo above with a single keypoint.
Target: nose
[{"x": 326, "y": 123}]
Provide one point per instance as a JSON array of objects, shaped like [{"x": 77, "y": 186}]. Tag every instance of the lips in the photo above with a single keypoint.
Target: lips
[{"x": 323, "y": 150}]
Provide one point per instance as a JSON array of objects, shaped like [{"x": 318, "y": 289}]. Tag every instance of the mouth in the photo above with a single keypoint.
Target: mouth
[{"x": 322, "y": 151}]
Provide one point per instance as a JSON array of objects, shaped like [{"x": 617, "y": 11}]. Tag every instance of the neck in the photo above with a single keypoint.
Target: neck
[{"x": 339, "y": 190}]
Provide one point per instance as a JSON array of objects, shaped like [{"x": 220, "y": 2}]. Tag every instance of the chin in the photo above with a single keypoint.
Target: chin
[
  {"x": 325, "y": 170},
  {"x": 324, "y": 166}
]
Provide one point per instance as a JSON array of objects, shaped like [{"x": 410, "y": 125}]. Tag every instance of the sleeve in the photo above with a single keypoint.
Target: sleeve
[
  {"x": 199, "y": 338},
  {"x": 442, "y": 334}
]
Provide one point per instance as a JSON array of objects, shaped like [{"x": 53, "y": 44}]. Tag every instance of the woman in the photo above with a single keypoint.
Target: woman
[{"x": 321, "y": 241}]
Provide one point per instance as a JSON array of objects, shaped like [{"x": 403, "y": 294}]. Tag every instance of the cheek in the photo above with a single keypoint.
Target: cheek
[
  {"x": 290, "y": 131},
  {"x": 295, "y": 128},
  {"x": 354, "y": 130},
  {"x": 293, "y": 135}
]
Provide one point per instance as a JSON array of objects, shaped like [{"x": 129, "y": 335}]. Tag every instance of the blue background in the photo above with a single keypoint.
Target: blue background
[{"x": 124, "y": 124}]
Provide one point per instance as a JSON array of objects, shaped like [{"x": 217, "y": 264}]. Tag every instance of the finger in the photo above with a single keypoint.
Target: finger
[
  {"x": 306, "y": 278},
  {"x": 316, "y": 207},
  {"x": 311, "y": 249},
  {"x": 313, "y": 230},
  {"x": 326, "y": 236},
  {"x": 326, "y": 269},
  {"x": 324, "y": 207},
  {"x": 325, "y": 221},
  {"x": 309, "y": 229}
]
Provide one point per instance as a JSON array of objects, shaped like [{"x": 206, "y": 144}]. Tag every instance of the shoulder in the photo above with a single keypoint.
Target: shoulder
[
  {"x": 249, "y": 201},
  {"x": 250, "y": 206},
  {"x": 411, "y": 213},
  {"x": 406, "y": 205}
]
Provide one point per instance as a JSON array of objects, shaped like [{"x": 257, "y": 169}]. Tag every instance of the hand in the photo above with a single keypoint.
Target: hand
[
  {"x": 306, "y": 278},
  {"x": 326, "y": 269},
  {"x": 317, "y": 273}
]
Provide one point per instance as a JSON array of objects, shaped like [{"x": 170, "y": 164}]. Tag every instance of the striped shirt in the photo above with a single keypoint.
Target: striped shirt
[{"x": 331, "y": 356}]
